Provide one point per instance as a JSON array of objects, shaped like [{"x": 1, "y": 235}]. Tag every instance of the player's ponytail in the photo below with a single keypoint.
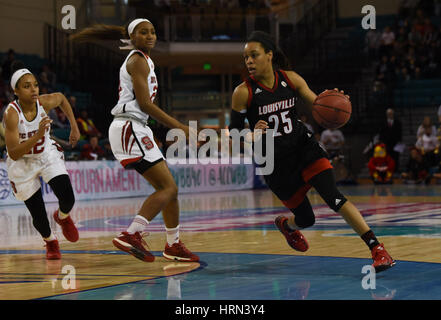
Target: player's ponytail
[
  {"x": 280, "y": 60},
  {"x": 99, "y": 32}
]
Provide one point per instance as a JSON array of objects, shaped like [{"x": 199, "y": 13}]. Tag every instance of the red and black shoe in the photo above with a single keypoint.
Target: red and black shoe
[
  {"x": 179, "y": 252},
  {"x": 382, "y": 259},
  {"x": 295, "y": 239},
  {"x": 52, "y": 250},
  {"x": 68, "y": 227},
  {"x": 133, "y": 244}
]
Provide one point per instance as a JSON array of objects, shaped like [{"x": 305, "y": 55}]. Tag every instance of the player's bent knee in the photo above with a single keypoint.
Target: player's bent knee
[{"x": 173, "y": 192}]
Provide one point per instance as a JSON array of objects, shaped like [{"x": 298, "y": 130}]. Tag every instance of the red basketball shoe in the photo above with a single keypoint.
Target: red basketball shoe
[
  {"x": 295, "y": 239},
  {"x": 382, "y": 259},
  {"x": 179, "y": 252},
  {"x": 70, "y": 232},
  {"x": 52, "y": 250},
  {"x": 133, "y": 244}
]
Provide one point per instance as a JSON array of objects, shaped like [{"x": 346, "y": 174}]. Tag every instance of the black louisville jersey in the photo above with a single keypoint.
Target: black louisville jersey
[
  {"x": 295, "y": 147},
  {"x": 278, "y": 107}
]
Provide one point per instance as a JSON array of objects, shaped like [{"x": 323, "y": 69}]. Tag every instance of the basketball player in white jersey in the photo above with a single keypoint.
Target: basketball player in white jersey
[
  {"x": 132, "y": 140},
  {"x": 33, "y": 154}
]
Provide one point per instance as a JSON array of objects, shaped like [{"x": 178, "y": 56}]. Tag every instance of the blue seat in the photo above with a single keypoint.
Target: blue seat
[{"x": 61, "y": 133}]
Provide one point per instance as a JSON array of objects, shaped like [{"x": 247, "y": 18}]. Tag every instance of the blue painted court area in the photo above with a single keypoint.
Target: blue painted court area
[{"x": 279, "y": 277}]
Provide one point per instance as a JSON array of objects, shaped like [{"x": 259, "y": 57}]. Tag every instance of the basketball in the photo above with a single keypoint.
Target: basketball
[{"x": 331, "y": 109}]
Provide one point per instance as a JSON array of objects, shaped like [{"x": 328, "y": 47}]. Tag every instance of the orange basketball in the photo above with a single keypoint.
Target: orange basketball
[{"x": 332, "y": 109}]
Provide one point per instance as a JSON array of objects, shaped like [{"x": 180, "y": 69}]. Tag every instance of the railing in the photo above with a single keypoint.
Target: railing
[{"x": 95, "y": 68}]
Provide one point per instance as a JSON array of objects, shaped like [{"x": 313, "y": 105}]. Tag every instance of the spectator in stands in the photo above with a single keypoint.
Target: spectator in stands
[
  {"x": 402, "y": 40},
  {"x": 412, "y": 65},
  {"x": 411, "y": 54},
  {"x": 384, "y": 66},
  {"x": 86, "y": 126},
  {"x": 333, "y": 141},
  {"x": 391, "y": 134},
  {"x": 417, "y": 74},
  {"x": 404, "y": 75},
  {"x": 417, "y": 45},
  {"x": 432, "y": 66},
  {"x": 429, "y": 31},
  {"x": 108, "y": 154},
  {"x": 380, "y": 83},
  {"x": 387, "y": 41},
  {"x": 381, "y": 165},
  {"x": 92, "y": 150},
  {"x": 427, "y": 123},
  {"x": 73, "y": 103},
  {"x": 48, "y": 78},
  {"x": 417, "y": 169},
  {"x": 414, "y": 37},
  {"x": 372, "y": 42},
  {"x": 6, "y": 66},
  {"x": 59, "y": 120},
  {"x": 428, "y": 145}
]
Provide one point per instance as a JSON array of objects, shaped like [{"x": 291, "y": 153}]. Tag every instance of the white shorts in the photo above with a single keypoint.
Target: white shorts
[
  {"x": 132, "y": 142},
  {"x": 24, "y": 174}
]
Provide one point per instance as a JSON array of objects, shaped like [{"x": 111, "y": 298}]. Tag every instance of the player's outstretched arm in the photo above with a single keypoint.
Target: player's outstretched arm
[
  {"x": 138, "y": 69},
  {"x": 53, "y": 100}
]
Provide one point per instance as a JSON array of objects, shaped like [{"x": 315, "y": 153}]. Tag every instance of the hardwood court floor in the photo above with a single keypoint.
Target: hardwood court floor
[{"x": 243, "y": 256}]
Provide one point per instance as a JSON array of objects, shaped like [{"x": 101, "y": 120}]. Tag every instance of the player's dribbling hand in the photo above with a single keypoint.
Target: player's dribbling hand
[
  {"x": 259, "y": 129},
  {"x": 45, "y": 124},
  {"x": 342, "y": 92},
  {"x": 262, "y": 125},
  {"x": 336, "y": 89}
]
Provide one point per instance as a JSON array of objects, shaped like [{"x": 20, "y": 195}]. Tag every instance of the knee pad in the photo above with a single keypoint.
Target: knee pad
[
  {"x": 304, "y": 215},
  {"x": 324, "y": 183},
  {"x": 335, "y": 200}
]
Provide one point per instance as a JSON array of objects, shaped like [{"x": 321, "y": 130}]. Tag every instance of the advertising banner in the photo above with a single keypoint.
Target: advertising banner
[{"x": 108, "y": 179}]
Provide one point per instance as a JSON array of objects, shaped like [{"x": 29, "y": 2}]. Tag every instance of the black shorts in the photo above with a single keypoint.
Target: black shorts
[
  {"x": 289, "y": 180},
  {"x": 142, "y": 165}
]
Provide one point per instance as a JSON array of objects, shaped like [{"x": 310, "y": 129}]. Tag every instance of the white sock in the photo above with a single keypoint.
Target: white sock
[
  {"x": 62, "y": 215},
  {"x": 50, "y": 238},
  {"x": 172, "y": 235},
  {"x": 139, "y": 224}
]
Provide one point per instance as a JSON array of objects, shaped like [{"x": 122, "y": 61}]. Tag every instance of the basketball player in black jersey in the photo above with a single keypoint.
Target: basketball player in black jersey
[{"x": 268, "y": 98}]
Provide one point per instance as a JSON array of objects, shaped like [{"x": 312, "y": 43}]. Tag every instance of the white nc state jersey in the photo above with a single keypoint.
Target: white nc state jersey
[
  {"x": 27, "y": 129},
  {"x": 127, "y": 103}
]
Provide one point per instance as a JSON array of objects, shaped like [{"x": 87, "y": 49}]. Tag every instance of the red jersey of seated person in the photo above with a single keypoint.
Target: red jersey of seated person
[{"x": 381, "y": 165}]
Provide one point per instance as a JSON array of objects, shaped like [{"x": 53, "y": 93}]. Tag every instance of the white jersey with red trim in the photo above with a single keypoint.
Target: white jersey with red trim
[
  {"x": 127, "y": 103},
  {"x": 27, "y": 129}
]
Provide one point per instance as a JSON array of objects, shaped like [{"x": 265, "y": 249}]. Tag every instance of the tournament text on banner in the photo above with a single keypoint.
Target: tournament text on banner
[{"x": 108, "y": 179}]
